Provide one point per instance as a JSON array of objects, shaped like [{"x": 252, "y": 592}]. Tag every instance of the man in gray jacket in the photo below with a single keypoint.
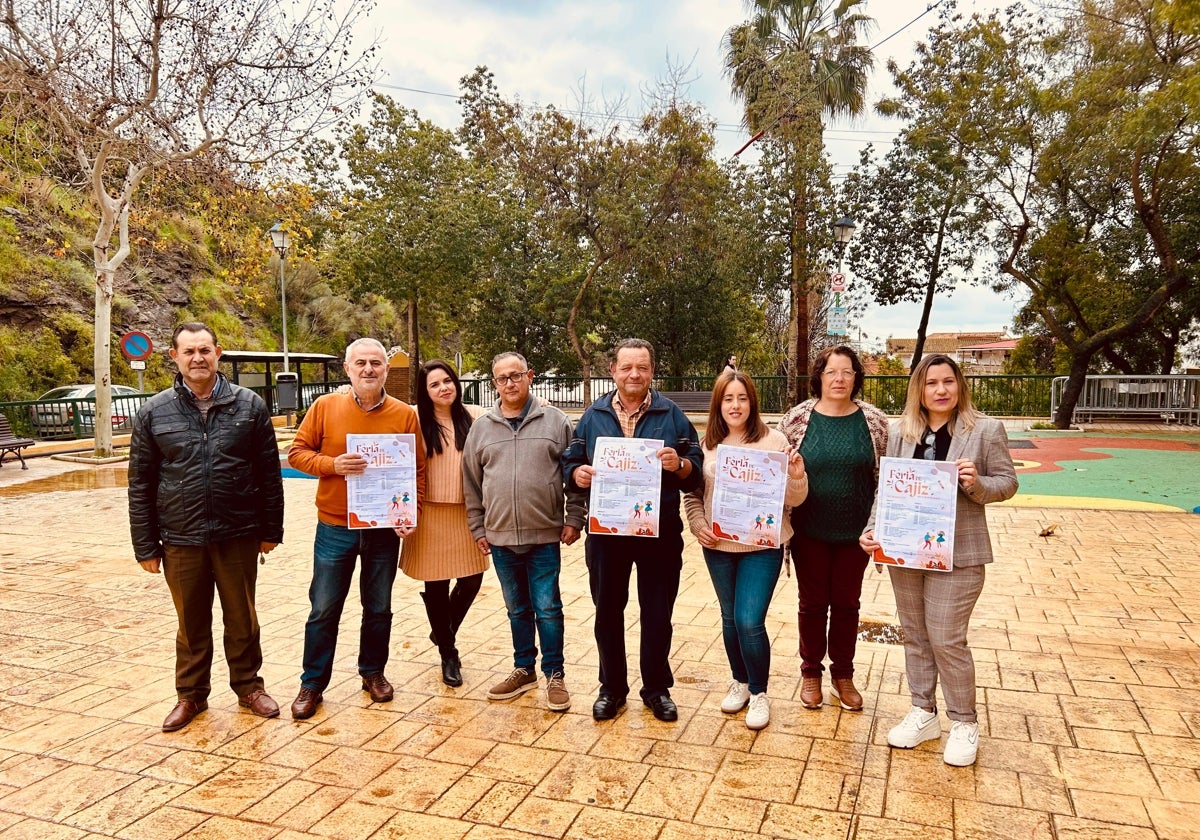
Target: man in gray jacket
[{"x": 512, "y": 481}]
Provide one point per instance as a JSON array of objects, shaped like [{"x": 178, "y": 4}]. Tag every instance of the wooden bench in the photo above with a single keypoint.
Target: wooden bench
[
  {"x": 690, "y": 400},
  {"x": 11, "y": 443}
]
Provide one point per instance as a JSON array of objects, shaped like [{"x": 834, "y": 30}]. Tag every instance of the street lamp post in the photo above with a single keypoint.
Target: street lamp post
[
  {"x": 279, "y": 239},
  {"x": 843, "y": 229},
  {"x": 838, "y": 314}
]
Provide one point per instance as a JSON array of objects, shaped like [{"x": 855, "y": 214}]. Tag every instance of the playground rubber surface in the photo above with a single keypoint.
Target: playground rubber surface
[{"x": 1107, "y": 471}]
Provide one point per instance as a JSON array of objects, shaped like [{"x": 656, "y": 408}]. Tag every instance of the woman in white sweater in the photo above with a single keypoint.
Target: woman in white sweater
[{"x": 743, "y": 576}]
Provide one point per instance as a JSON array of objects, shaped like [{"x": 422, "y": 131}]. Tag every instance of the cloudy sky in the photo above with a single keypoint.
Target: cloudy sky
[{"x": 604, "y": 52}]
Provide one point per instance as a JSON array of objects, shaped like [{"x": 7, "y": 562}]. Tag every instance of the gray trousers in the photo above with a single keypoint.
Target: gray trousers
[{"x": 935, "y": 610}]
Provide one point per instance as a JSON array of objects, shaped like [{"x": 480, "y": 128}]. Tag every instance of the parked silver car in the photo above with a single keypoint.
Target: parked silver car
[{"x": 59, "y": 408}]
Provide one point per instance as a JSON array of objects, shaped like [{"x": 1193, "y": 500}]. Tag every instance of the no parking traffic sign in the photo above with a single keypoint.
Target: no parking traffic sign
[{"x": 136, "y": 346}]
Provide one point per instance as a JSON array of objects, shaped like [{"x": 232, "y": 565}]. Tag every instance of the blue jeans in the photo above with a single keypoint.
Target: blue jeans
[
  {"x": 335, "y": 550},
  {"x": 744, "y": 585},
  {"x": 529, "y": 582}
]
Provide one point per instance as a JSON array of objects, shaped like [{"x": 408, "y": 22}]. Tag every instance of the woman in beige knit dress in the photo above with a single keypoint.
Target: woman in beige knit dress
[{"x": 442, "y": 548}]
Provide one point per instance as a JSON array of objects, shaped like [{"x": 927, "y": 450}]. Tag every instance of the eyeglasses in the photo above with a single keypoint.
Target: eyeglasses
[
  {"x": 930, "y": 448},
  {"x": 838, "y": 374},
  {"x": 501, "y": 381}
]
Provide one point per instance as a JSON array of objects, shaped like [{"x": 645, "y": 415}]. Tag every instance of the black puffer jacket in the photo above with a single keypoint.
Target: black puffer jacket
[{"x": 193, "y": 482}]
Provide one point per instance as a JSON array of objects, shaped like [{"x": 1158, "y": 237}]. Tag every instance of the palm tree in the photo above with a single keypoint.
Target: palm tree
[{"x": 791, "y": 64}]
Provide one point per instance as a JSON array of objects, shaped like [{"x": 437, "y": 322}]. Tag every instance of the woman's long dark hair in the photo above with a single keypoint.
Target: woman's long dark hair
[
  {"x": 430, "y": 429},
  {"x": 717, "y": 429}
]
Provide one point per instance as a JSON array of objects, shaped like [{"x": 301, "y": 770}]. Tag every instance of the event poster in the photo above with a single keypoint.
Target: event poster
[
  {"x": 626, "y": 487},
  {"x": 385, "y": 496},
  {"x": 914, "y": 513},
  {"x": 747, "y": 501}
]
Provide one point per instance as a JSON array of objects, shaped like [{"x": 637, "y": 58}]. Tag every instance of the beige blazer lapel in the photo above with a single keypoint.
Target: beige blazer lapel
[{"x": 959, "y": 440}]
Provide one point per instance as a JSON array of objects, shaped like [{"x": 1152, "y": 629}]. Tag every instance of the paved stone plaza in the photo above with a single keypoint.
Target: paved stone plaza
[{"x": 1086, "y": 645}]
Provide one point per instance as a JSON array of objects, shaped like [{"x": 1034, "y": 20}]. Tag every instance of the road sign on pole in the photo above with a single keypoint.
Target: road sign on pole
[{"x": 136, "y": 346}]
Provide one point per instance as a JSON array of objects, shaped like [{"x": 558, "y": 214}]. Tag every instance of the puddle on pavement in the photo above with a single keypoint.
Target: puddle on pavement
[
  {"x": 878, "y": 631},
  {"x": 92, "y": 478}
]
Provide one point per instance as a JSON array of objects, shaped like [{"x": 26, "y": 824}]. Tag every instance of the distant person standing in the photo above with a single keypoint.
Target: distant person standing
[
  {"x": 442, "y": 548},
  {"x": 513, "y": 486},
  {"x": 320, "y": 449},
  {"x": 205, "y": 498},
  {"x": 634, "y": 410},
  {"x": 730, "y": 364}
]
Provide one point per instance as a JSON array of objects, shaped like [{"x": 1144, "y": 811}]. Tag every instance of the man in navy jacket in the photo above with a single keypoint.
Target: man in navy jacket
[{"x": 634, "y": 410}]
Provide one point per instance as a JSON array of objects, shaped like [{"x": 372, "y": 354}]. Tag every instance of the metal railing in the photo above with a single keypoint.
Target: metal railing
[
  {"x": 69, "y": 419},
  {"x": 1003, "y": 396},
  {"x": 1168, "y": 398},
  {"x": 1000, "y": 395}
]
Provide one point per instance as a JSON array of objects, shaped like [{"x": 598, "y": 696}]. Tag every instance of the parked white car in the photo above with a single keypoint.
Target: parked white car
[{"x": 55, "y": 414}]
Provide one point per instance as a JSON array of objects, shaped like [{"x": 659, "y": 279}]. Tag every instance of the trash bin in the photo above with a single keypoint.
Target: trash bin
[{"x": 287, "y": 388}]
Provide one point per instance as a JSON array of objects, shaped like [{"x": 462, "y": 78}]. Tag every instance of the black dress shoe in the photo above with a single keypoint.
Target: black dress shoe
[
  {"x": 607, "y": 706},
  {"x": 451, "y": 671},
  {"x": 663, "y": 707}
]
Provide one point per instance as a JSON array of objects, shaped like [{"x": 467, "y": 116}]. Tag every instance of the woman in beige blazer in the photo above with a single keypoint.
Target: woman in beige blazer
[{"x": 940, "y": 423}]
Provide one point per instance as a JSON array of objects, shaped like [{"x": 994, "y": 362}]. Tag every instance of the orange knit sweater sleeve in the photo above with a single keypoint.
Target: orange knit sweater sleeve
[{"x": 322, "y": 437}]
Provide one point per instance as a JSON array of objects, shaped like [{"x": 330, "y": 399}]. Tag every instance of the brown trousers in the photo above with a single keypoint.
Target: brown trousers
[{"x": 193, "y": 573}]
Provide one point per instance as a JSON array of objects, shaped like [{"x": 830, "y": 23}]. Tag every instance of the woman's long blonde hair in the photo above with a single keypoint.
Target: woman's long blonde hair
[{"x": 914, "y": 420}]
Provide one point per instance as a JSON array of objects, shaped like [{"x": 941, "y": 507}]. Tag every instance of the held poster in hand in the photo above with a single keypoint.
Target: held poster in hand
[
  {"x": 914, "y": 513},
  {"x": 626, "y": 487},
  {"x": 747, "y": 502},
  {"x": 385, "y": 496}
]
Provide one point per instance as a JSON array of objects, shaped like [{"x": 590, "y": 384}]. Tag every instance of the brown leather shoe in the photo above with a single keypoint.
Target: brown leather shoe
[
  {"x": 846, "y": 694},
  {"x": 183, "y": 713},
  {"x": 811, "y": 693},
  {"x": 305, "y": 704},
  {"x": 260, "y": 703},
  {"x": 378, "y": 685}
]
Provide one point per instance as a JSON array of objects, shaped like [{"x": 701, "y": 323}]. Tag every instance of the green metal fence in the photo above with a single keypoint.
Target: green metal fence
[
  {"x": 1000, "y": 395},
  {"x": 68, "y": 419}
]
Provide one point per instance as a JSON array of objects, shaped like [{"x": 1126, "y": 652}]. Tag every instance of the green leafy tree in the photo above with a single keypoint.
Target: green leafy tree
[
  {"x": 406, "y": 221},
  {"x": 1084, "y": 157},
  {"x": 792, "y": 63},
  {"x": 918, "y": 234},
  {"x": 616, "y": 208}
]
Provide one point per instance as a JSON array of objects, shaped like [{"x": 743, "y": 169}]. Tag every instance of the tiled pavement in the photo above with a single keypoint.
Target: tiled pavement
[{"x": 1086, "y": 645}]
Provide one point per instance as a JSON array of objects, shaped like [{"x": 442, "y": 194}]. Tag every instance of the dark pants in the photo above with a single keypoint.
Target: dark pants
[
  {"x": 610, "y": 560},
  {"x": 829, "y": 577},
  {"x": 193, "y": 574},
  {"x": 335, "y": 551}
]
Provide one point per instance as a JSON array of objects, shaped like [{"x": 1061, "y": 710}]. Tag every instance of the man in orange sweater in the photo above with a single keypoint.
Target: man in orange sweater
[{"x": 320, "y": 449}]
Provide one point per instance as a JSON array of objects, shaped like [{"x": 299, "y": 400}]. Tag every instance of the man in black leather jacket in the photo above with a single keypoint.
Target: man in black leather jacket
[{"x": 205, "y": 498}]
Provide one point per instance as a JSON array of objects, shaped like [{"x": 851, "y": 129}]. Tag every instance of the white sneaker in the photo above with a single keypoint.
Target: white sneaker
[
  {"x": 736, "y": 699},
  {"x": 759, "y": 713},
  {"x": 962, "y": 744},
  {"x": 918, "y": 726}
]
